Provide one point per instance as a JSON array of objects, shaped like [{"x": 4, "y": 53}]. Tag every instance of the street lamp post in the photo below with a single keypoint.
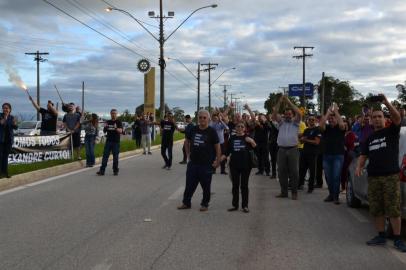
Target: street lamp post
[{"x": 161, "y": 39}]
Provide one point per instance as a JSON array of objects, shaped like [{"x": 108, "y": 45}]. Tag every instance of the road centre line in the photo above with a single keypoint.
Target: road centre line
[{"x": 2, "y": 193}]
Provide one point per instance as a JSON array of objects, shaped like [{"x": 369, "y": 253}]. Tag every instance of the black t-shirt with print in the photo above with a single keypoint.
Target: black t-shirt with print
[
  {"x": 333, "y": 140},
  {"x": 168, "y": 128},
  {"x": 202, "y": 145},
  {"x": 49, "y": 119},
  {"x": 311, "y": 134},
  {"x": 238, "y": 148},
  {"x": 382, "y": 149},
  {"x": 111, "y": 129}
]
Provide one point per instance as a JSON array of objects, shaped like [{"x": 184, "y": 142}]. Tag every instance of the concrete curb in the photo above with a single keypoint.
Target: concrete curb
[{"x": 34, "y": 176}]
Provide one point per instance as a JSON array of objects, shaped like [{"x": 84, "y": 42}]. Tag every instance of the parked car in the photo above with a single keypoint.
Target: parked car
[
  {"x": 357, "y": 187},
  {"x": 29, "y": 128}
]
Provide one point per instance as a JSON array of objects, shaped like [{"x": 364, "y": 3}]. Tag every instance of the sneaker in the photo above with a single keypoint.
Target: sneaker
[
  {"x": 100, "y": 173},
  {"x": 183, "y": 206},
  {"x": 203, "y": 209},
  {"x": 225, "y": 173},
  {"x": 400, "y": 245},
  {"x": 245, "y": 210},
  {"x": 337, "y": 202},
  {"x": 115, "y": 173},
  {"x": 232, "y": 209},
  {"x": 281, "y": 195},
  {"x": 182, "y": 162},
  {"x": 164, "y": 167},
  {"x": 329, "y": 199},
  {"x": 273, "y": 176},
  {"x": 377, "y": 241},
  {"x": 168, "y": 168},
  {"x": 149, "y": 153}
]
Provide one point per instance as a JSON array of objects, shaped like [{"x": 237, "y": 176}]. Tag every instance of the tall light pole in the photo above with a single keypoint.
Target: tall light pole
[{"x": 161, "y": 39}]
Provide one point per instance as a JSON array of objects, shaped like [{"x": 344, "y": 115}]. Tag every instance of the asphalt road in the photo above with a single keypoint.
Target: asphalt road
[{"x": 82, "y": 221}]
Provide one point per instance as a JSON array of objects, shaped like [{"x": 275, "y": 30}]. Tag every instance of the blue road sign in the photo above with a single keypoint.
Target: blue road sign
[{"x": 296, "y": 90}]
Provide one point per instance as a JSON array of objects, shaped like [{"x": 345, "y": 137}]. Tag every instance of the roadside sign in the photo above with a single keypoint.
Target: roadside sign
[{"x": 296, "y": 90}]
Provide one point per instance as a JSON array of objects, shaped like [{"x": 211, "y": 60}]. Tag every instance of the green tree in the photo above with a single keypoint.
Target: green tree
[
  {"x": 274, "y": 98},
  {"x": 178, "y": 114},
  {"x": 402, "y": 93},
  {"x": 348, "y": 99}
]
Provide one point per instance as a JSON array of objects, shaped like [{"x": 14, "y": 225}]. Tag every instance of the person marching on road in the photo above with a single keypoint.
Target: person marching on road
[
  {"x": 188, "y": 128},
  {"x": 382, "y": 150},
  {"x": 49, "y": 117},
  {"x": 240, "y": 165},
  {"x": 203, "y": 151},
  {"x": 288, "y": 154},
  {"x": 114, "y": 129},
  {"x": 167, "y": 129},
  {"x": 333, "y": 151},
  {"x": 311, "y": 140}
]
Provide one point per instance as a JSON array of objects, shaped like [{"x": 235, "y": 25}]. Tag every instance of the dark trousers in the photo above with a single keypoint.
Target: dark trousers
[
  {"x": 307, "y": 162},
  {"x": 239, "y": 178},
  {"x": 114, "y": 148},
  {"x": 138, "y": 139},
  {"x": 167, "y": 158},
  {"x": 223, "y": 163},
  {"x": 263, "y": 157},
  {"x": 5, "y": 149},
  {"x": 319, "y": 170},
  {"x": 184, "y": 153},
  {"x": 90, "y": 142},
  {"x": 196, "y": 174},
  {"x": 273, "y": 151}
]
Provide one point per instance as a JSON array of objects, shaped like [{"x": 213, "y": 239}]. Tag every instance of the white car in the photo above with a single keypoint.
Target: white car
[
  {"x": 29, "y": 128},
  {"x": 181, "y": 126}
]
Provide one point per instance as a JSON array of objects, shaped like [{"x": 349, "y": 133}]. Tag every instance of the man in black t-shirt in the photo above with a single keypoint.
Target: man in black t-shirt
[
  {"x": 311, "y": 140},
  {"x": 167, "y": 129},
  {"x": 114, "y": 129},
  {"x": 382, "y": 150},
  {"x": 49, "y": 117},
  {"x": 203, "y": 151}
]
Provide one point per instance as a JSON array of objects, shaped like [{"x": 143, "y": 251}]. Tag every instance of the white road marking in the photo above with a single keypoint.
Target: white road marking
[
  {"x": 56, "y": 177},
  {"x": 103, "y": 266},
  {"x": 401, "y": 256},
  {"x": 177, "y": 194},
  {"x": 360, "y": 217}
]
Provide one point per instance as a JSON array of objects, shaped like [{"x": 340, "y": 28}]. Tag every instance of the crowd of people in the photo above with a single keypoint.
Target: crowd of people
[{"x": 287, "y": 145}]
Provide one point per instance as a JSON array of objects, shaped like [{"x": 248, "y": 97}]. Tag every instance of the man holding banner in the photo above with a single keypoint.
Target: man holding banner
[{"x": 114, "y": 129}]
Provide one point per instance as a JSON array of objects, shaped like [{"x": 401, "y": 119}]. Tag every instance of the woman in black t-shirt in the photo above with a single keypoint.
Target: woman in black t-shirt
[{"x": 239, "y": 146}]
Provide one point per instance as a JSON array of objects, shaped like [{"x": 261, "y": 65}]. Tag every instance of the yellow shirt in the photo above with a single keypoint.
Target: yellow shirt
[{"x": 302, "y": 127}]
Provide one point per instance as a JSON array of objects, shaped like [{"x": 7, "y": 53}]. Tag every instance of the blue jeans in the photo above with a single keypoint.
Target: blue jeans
[
  {"x": 196, "y": 174},
  {"x": 332, "y": 165},
  {"x": 90, "y": 141},
  {"x": 113, "y": 147}
]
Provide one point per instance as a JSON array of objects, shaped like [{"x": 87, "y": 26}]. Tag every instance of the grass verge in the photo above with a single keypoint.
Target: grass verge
[{"x": 125, "y": 146}]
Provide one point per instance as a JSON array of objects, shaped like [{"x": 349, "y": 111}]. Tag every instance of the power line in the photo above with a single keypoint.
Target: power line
[{"x": 95, "y": 30}]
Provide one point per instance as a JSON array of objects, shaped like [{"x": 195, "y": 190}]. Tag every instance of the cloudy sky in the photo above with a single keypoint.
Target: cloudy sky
[{"x": 363, "y": 42}]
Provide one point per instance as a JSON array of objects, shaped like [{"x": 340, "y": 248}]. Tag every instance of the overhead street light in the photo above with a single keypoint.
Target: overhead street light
[
  {"x": 233, "y": 68},
  {"x": 161, "y": 39}
]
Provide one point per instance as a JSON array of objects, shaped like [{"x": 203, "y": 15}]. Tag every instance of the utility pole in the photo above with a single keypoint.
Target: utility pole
[
  {"x": 38, "y": 59},
  {"x": 323, "y": 85},
  {"x": 284, "y": 89},
  {"x": 198, "y": 88},
  {"x": 303, "y": 56},
  {"x": 211, "y": 66},
  {"x": 225, "y": 93},
  {"x": 83, "y": 97}
]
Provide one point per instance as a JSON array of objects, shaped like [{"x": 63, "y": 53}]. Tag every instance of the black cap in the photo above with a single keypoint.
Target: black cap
[{"x": 187, "y": 116}]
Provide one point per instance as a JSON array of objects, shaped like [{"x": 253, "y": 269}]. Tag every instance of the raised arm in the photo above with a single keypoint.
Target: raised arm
[
  {"x": 298, "y": 113},
  {"x": 338, "y": 117},
  {"x": 275, "y": 110},
  {"x": 323, "y": 120},
  {"x": 34, "y": 104},
  {"x": 247, "y": 107},
  {"x": 394, "y": 114}
]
